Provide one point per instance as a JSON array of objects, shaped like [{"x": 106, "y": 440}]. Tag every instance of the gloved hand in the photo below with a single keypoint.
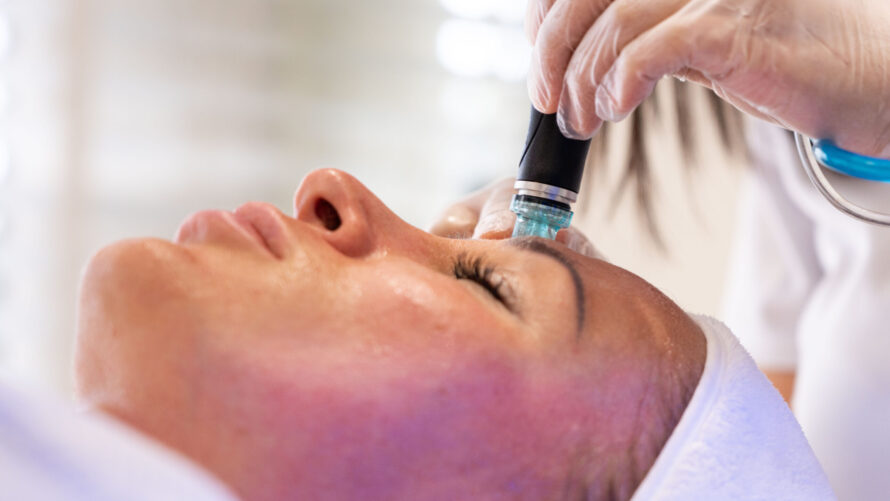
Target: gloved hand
[
  {"x": 486, "y": 214},
  {"x": 821, "y": 67}
]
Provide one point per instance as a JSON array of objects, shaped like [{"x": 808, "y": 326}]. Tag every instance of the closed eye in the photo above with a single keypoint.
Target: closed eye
[{"x": 487, "y": 276}]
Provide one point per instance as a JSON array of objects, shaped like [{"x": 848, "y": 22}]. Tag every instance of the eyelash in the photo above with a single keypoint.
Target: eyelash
[{"x": 476, "y": 270}]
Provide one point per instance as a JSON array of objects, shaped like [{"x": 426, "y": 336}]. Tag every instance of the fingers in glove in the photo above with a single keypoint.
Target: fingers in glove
[
  {"x": 458, "y": 221},
  {"x": 685, "y": 44},
  {"x": 559, "y": 34},
  {"x": 496, "y": 220},
  {"x": 664, "y": 50},
  {"x": 578, "y": 242},
  {"x": 535, "y": 13},
  {"x": 461, "y": 219},
  {"x": 621, "y": 23}
]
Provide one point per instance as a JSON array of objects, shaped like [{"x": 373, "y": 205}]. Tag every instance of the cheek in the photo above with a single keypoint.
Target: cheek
[
  {"x": 381, "y": 419},
  {"x": 150, "y": 310},
  {"x": 397, "y": 309},
  {"x": 234, "y": 301}
]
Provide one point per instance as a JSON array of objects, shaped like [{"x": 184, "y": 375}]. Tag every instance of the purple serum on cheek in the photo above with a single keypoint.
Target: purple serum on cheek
[{"x": 549, "y": 179}]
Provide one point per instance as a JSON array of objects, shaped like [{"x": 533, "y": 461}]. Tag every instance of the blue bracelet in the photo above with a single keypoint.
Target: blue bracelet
[
  {"x": 827, "y": 154},
  {"x": 851, "y": 164}
]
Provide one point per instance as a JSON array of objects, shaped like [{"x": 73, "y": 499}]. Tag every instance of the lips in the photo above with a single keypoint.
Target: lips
[
  {"x": 267, "y": 222},
  {"x": 254, "y": 225}
]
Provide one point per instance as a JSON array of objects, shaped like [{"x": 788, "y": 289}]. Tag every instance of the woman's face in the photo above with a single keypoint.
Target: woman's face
[{"x": 343, "y": 354}]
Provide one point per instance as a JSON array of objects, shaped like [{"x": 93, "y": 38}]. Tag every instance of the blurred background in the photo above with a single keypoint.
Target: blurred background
[{"x": 120, "y": 117}]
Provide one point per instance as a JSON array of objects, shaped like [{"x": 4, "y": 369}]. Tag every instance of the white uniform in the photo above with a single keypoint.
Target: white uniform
[
  {"x": 49, "y": 452},
  {"x": 809, "y": 290}
]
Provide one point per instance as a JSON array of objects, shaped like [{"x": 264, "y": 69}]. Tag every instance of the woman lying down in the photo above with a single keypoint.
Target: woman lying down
[{"x": 342, "y": 354}]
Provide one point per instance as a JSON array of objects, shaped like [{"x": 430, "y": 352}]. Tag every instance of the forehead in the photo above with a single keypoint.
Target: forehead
[{"x": 609, "y": 300}]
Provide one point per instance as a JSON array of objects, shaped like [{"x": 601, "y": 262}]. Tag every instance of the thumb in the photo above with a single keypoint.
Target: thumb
[
  {"x": 496, "y": 220},
  {"x": 458, "y": 221},
  {"x": 496, "y": 224}
]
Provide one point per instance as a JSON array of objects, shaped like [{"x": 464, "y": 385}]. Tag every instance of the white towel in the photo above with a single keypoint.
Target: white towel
[
  {"x": 48, "y": 452},
  {"x": 737, "y": 438}
]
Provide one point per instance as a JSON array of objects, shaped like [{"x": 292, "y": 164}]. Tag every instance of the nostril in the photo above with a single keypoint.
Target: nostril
[{"x": 327, "y": 214}]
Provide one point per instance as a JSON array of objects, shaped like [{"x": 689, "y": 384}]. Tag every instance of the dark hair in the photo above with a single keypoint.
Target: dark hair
[
  {"x": 637, "y": 173},
  {"x": 597, "y": 478}
]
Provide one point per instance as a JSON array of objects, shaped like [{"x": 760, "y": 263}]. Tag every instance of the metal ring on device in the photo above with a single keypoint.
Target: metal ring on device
[
  {"x": 817, "y": 176},
  {"x": 546, "y": 191}
]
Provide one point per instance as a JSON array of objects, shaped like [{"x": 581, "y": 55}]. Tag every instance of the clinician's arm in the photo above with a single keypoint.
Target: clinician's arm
[
  {"x": 815, "y": 66},
  {"x": 774, "y": 267},
  {"x": 784, "y": 382}
]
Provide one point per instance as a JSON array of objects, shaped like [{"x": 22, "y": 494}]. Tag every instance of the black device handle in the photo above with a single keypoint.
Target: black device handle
[{"x": 551, "y": 158}]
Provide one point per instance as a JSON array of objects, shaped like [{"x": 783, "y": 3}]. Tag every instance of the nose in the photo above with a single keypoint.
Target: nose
[{"x": 348, "y": 216}]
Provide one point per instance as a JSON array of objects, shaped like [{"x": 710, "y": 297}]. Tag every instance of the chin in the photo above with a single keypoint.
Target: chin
[
  {"x": 131, "y": 275},
  {"x": 123, "y": 285}
]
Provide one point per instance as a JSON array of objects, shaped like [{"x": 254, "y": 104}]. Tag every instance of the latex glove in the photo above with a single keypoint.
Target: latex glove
[
  {"x": 486, "y": 214},
  {"x": 821, "y": 67}
]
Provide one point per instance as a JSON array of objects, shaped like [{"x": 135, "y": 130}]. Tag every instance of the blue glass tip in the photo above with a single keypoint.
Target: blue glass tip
[{"x": 538, "y": 220}]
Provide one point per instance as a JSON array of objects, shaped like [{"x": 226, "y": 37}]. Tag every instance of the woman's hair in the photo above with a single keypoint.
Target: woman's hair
[
  {"x": 647, "y": 120},
  {"x": 601, "y": 478}
]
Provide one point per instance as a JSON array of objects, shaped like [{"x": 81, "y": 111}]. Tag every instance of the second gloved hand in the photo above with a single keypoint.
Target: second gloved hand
[
  {"x": 486, "y": 214},
  {"x": 816, "y": 66}
]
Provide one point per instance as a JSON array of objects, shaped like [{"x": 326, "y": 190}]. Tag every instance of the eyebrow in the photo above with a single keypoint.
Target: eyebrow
[{"x": 537, "y": 245}]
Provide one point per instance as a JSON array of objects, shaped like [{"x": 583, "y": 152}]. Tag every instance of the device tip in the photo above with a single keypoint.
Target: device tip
[{"x": 539, "y": 217}]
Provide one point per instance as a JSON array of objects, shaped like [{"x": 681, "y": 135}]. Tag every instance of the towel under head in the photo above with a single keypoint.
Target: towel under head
[{"x": 737, "y": 438}]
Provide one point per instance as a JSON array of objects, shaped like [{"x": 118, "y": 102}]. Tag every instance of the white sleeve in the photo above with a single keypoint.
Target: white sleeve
[{"x": 774, "y": 266}]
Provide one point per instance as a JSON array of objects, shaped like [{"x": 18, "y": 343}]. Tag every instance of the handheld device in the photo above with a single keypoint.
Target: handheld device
[{"x": 549, "y": 179}]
